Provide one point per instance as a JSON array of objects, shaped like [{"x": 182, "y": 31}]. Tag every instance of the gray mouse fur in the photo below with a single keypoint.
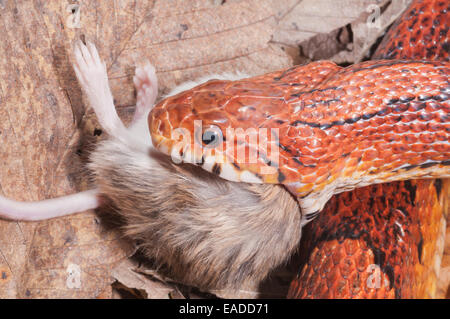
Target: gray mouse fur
[{"x": 207, "y": 232}]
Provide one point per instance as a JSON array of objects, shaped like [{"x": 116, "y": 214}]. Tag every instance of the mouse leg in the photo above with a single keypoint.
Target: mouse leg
[
  {"x": 146, "y": 84},
  {"x": 91, "y": 73}
]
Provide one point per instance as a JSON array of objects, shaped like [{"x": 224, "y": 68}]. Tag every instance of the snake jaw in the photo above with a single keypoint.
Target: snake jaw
[
  {"x": 183, "y": 146},
  {"x": 210, "y": 160},
  {"x": 313, "y": 202}
]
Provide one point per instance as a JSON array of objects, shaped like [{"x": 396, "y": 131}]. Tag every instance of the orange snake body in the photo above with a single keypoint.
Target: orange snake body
[
  {"x": 338, "y": 129},
  {"x": 386, "y": 240}
]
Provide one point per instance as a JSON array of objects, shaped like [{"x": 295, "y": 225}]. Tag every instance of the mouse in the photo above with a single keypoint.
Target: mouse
[{"x": 204, "y": 231}]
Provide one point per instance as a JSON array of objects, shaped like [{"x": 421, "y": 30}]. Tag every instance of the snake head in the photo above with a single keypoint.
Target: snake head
[
  {"x": 233, "y": 136},
  {"x": 225, "y": 132},
  {"x": 240, "y": 130}
]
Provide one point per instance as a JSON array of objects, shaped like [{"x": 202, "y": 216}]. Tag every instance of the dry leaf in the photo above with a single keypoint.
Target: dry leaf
[
  {"x": 342, "y": 31},
  {"x": 126, "y": 275}
]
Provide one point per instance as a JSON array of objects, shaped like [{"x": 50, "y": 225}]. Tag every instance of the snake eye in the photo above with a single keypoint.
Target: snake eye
[
  {"x": 212, "y": 137},
  {"x": 209, "y": 137}
]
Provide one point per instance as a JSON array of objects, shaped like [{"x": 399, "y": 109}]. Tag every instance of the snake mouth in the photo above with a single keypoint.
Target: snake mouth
[{"x": 215, "y": 160}]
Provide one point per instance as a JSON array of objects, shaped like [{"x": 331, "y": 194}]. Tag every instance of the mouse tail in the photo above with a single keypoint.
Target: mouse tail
[{"x": 49, "y": 208}]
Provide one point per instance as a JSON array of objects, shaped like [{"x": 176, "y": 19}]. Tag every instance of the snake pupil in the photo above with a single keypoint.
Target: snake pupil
[
  {"x": 212, "y": 137},
  {"x": 209, "y": 137}
]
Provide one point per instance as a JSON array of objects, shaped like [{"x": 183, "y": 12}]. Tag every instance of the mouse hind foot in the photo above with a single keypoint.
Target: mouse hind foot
[{"x": 146, "y": 84}]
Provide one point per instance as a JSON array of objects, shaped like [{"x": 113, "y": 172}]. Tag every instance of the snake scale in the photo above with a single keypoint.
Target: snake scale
[
  {"x": 320, "y": 130},
  {"x": 386, "y": 240}
]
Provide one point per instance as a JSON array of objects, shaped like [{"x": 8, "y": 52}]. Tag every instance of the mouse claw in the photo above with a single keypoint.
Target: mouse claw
[{"x": 88, "y": 66}]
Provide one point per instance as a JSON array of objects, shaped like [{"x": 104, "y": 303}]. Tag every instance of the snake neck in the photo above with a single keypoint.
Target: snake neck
[{"x": 313, "y": 201}]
